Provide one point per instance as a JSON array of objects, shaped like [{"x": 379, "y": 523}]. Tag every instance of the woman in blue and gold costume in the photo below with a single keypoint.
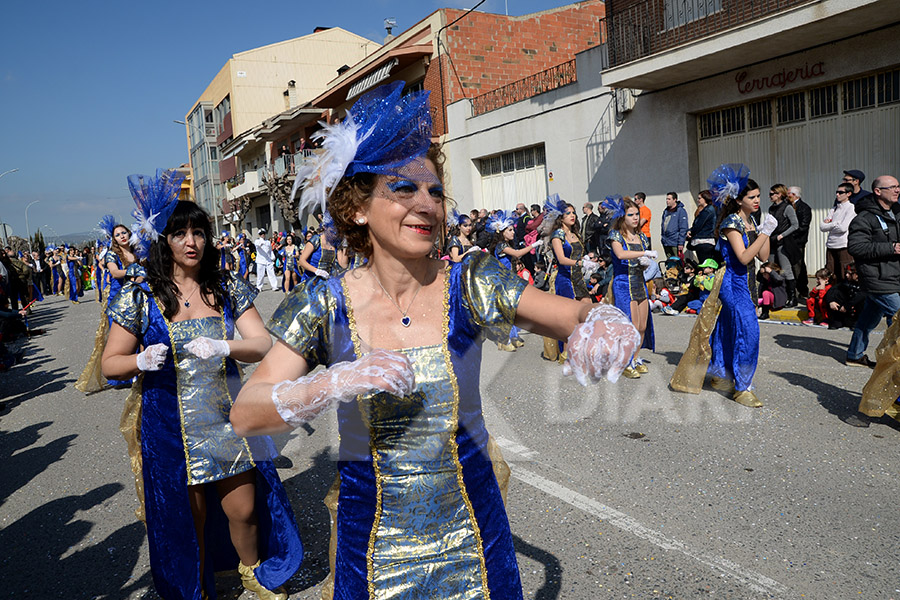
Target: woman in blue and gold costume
[
  {"x": 116, "y": 260},
  {"x": 561, "y": 224},
  {"x": 418, "y": 505},
  {"x": 725, "y": 340},
  {"x": 73, "y": 274},
  {"x": 290, "y": 252},
  {"x": 631, "y": 254},
  {"x": 212, "y": 499}
]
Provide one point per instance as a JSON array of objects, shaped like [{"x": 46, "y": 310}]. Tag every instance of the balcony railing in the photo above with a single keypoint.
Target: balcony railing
[
  {"x": 551, "y": 79},
  {"x": 644, "y": 27}
]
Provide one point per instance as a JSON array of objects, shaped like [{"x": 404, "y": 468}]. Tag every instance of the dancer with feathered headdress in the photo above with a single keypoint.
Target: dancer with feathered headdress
[
  {"x": 502, "y": 225},
  {"x": 212, "y": 500},
  {"x": 631, "y": 254},
  {"x": 114, "y": 263},
  {"x": 459, "y": 230},
  {"x": 725, "y": 339},
  {"x": 419, "y": 494},
  {"x": 561, "y": 224}
]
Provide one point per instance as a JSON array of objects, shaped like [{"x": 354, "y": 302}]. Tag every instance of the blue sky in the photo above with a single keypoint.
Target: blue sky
[{"x": 88, "y": 91}]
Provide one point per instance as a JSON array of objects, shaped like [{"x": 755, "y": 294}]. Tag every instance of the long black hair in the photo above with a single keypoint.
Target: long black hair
[
  {"x": 160, "y": 266},
  {"x": 732, "y": 205}
]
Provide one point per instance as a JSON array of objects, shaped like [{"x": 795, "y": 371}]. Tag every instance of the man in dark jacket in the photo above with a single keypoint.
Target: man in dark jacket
[
  {"x": 855, "y": 177},
  {"x": 674, "y": 226},
  {"x": 589, "y": 225},
  {"x": 801, "y": 236},
  {"x": 874, "y": 243}
]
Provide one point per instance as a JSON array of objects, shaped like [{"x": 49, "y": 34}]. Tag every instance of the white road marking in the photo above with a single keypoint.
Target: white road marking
[
  {"x": 515, "y": 447},
  {"x": 752, "y": 579}
]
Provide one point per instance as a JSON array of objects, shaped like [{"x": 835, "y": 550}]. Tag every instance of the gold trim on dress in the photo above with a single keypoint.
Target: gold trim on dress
[
  {"x": 379, "y": 490},
  {"x": 454, "y": 447},
  {"x": 883, "y": 387},
  {"x": 130, "y": 426},
  {"x": 691, "y": 370},
  {"x": 91, "y": 378}
]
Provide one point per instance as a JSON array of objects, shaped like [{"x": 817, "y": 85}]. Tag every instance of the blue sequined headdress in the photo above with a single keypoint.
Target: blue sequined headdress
[
  {"x": 107, "y": 225},
  {"x": 156, "y": 198},
  {"x": 727, "y": 181},
  {"x": 385, "y": 133},
  {"x": 553, "y": 207},
  {"x": 454, "y": 218},
  {"x": 330, "y": 231},
  {"x": 501, "y": 220},
  {"x": 614, "y": 206}
]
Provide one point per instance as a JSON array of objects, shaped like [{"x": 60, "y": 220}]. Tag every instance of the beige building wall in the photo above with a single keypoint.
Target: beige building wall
[{"x": 258, "y": 78}]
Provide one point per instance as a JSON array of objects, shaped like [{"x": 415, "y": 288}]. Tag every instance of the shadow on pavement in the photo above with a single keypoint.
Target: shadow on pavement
[
  {"x": 306, "y": 491},
  {"x": 552, "y": 568},
  {"x": 838, "y": 401},
  {"x": 35, "y": 385},
  {"x": 671, "y": 357},
  {"x": 20, "y": 468},
  {"x": 814, "y": 345},
  {"x": 52, "y": 554}
]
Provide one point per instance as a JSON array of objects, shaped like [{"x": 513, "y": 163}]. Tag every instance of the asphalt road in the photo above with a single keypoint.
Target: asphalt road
[{"x": 618, "y": 491}]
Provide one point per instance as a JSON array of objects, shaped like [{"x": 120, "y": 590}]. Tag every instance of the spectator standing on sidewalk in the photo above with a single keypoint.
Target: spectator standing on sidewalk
[
  {"x": 702, "y": 234},
  {"x": 801, "y": 237},
  {"x": 783, "y": 244},
  {"x": 855, "y": 177},
  {"x": 674, "y": 227},
  {"x": 590, "y": 223},
  {"x": 874, "y": 243},
  {"x": 640, "y": 198},
  {"x": 836, "y": 225}
]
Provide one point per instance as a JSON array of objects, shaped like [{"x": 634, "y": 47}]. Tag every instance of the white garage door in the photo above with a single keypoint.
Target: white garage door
[
  {"x": 513, "y": 177},
  {"x": 807, "y": 139}
]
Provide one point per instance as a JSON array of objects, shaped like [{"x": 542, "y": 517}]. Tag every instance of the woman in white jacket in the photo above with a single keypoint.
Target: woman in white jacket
[{"x": 836, "y": 225}]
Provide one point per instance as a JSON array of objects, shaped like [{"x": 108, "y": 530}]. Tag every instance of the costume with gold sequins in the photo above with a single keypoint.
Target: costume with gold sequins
[
  {"x": 185, "y": 438},
  {"x": 628, "y": 282},
  {"x": 419, "y": 511}
]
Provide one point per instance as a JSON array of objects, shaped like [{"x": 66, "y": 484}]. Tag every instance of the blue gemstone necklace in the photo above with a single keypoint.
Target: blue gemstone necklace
[{"x": 404, "y": 320}]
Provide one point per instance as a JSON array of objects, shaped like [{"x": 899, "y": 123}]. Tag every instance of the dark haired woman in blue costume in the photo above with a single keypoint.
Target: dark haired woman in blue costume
[{"x": 212, "y": 499}]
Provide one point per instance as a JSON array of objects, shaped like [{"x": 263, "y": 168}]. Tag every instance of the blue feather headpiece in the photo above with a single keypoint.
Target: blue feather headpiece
[
  {"x": 614, "y": 206},
  {"x": 156, "y": 198},
  {"x": 501, "y": 220},
  {"x": 455, "y": 219},
  {"x": 553, "y": 207},
  {"x": 330, "y": 231},
  {"x": 107, "y": 225},
  {"x": 727, "y": 181},
  {"x": 385, "y": 133}
]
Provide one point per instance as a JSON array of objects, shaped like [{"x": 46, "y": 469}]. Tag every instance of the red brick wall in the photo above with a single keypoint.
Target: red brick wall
[
  {"x": 433, "y": 84},
  {"x": 490, "y": 51}
]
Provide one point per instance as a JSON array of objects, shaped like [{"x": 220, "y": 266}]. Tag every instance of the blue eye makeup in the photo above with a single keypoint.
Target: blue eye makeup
[
  {"x": 437, "y": 191},
  {"x": 403, "y": 186}
]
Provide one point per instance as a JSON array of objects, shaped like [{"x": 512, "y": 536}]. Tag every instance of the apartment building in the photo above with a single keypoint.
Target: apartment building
[{"x": 251, "y": 87}]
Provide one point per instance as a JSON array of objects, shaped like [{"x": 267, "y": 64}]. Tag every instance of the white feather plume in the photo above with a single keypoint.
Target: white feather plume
[{"x": 318, "y": 176}]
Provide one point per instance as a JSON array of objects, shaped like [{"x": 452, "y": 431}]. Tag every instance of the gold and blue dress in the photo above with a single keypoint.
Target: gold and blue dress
[
  {"x": 417, "y": 509},
  {"x": 628, "y": 283},
  {"x": 176, "y": 423}
]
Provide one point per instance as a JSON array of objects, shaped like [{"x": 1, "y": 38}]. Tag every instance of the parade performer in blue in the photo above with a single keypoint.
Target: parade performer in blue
[
  {"x": 212, "y": 500},
  {"x": 73, "y": 274},
  {"x": 631, "y": 254},
  {"x": 725, "y": 339},
  {"x": 119, "y": 255},
  {"x": 418, "y": 503}
]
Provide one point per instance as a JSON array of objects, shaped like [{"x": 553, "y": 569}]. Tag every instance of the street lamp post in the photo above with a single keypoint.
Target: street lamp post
[
  {"x": 208, "y": 159},
  {"x": 28, "y": 229},
  {"x": 2, "y": 224}
]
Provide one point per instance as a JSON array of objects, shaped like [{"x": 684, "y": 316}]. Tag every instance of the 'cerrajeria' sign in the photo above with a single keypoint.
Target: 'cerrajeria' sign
[{"x": 778, "y": 80}]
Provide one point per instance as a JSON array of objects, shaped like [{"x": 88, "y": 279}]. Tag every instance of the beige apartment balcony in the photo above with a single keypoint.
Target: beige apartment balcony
[{"x": 655, "y": 44}]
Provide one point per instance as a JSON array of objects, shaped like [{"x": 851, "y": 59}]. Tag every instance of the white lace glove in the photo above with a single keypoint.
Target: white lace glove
[
  {"x": 588, "y": 266},
  {"x": 301, "y": 400},
  {"x": 322, "y": 273},
  {"x": 644, "y": 262},
  {"x": 473, "y": 249},
  {"x": 204, "y": 347},
  {"x": 152, "y": 358},
  {"x": 537, "y": 244},
  {"x": 652, "y": 254},
  {"x": 768, "y": 225},
  {"x": 602, "y": 346}
]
